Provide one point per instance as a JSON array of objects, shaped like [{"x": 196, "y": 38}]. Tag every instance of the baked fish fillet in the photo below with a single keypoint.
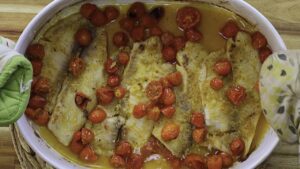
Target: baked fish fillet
[
  {"x": 67, "y": 117},
  {"x": 146, "y": 64}
]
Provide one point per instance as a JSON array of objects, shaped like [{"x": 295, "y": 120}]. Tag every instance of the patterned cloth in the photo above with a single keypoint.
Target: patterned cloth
[{"x": 280, "y": 94}]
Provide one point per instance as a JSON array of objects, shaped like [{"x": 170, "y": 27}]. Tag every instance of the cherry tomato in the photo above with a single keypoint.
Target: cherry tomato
[
  {"x": 167, "y": 39},
  {"x": 147, "y": 21},
  {"x": 30, "y": 113},
  {"x": 216, "y": 83},
  {"x": 135, "y": 161},
  {"x": 139, "y": 110},
  {"x": 87, "y": 9},
  {"x": 123, "y": 149},
  {"x": 37, "y": 102},
  {"x": 198, "y": 120},
  {"x": 154, "y": 90},
  {"x": 258, "y": 40},
  {"x": 199, "y": 135},
  {"x": 123, "y": 58},
  {"x": 110, "y": 66},
  {"x": 120, "y": 92},
  {"x": 127, "y": 24},
  {"x": 165, "y": 83},
  {"x": 227, "y": 160},
  {"x": 175, "y": 78},
  {"x": 83, "y": 37},
  {"x": 153, "y": 113},
  {"x": 138, "y": 33},
  {"x": 136, "y": 10},
  {"x": 87, "y": 136},
  {"x": 175, "y": 163},
  {"x": 168, "y": 111},
  {"x": 236, "y": 94},
  {"x": 97, "y": 116},
  {"x": 157, "y": 12},
  {"x": 35, "y": 51},
  {"x": 37, "y": 67},
  {"x": 87, "y": 154},
  {"x": 120, "y": 39},
  {"x": 76, "y": 66},
  {"x": 237, "y": 146},
  {"x": 188, "y": 17},
  {"x": 98, "y": 18},
  {"x": 117, "y": 161},
  {"x": 264, "y": 53},
  {"x": 113, "y": 80},
  {"x": 41, "y": 86},
  {"x": 42, "y": 117},
  {"x": 223, "y": 67},
  {"x": 155, "y": 31},
  {"x": 170, "y": 131},
  {"x": 195, "y": 161},
  {"x": 214, "y": 162},
  {"x": 229, "y": 30},
  {"x": 193, "y": 35},
  {"x": 168, "y": 97},
  {"x": 104, "y": 95},
  {"x": 81, "y": 100},
  {"x": 76, "y": 146},
  {"x": 179, "y": 43},
  {"x": 111, "y": 13},
  {"x": 169, "y": 54}
]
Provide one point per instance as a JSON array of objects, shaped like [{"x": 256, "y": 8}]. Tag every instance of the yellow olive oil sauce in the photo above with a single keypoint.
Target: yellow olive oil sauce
[{"x": 213, "y": 19}]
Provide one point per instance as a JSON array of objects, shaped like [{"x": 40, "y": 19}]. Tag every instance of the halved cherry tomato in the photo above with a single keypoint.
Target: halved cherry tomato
[
  {"x": 120, "y": 39},
  {"x": 199, "y": 135},
  {"x": 111, "y": 13},
  {"x": 127, "y": 24},
  {"x": 35, "y": 51},
  {"x": 76, "y": 146},
  {"x": 98, "y": 18},
  {"x": 155, "y": 31},
  {"x": 227, "y": 160},
  {"x": 117, "y": 161},
  {"x": 179, "y": 43},
  {"x": 123, "y": 149},
  {"x": 87, "y": 154},
  {"x": 81, "y": 100},
  {"x": 165, "y": 83},
  {"x": 147, "y": 21},
  {"x": 139, "y": 110},
  {"x": 188, "y": 17},
  {"x": 37, "y": 66},
  {"x": 37, "y": 102},
  {"x": 120, "y": 92},
  {"x": 153, "y": 113},
  {"x": 237, "y": 146},
  {"x": 167, "y": 38},
  {"x": 168, "y": 97},
  {"x": 42, "y": 117},
  {"x": 169, "y": 54},
  {"x": 104, "y": 95},
  {"x": 136, "y": 10},
  {"x": 41, "y": 86},
  {"x": 193, "y": 35},
  {"x": 264, "y": 53},
  {"x": 97, "y": 116},
  {"x": 229, "y": 30},
  {"x": 175, "y": 78},
  {"x": 223, "y": 67},
  {"x": 214, "y": 162},
  {"x": 123, "y": 58},
  {"x": 30, "y": 113},
  {"x": 76, "y": 66},
  {"x": 236, "y": 94},
  {"x": 83, "y": 37},
  {"x": 110, "y": 66},
  {"x": 216, "y": 83},
  {"x": 138, "y": 33},
  {"x": 154, "y": 90},
  {"x": 258, "y": 40},
  {"x": 87, "y": 9},
  {"x": 195, "y": 161},
  {"x": 113, "y": 80},
  {"x": 170, "y": 131},
  {"x": 168, "y": 111},
  {"x": 198, "y": 120},
  {"x": 87, "y": 136}
]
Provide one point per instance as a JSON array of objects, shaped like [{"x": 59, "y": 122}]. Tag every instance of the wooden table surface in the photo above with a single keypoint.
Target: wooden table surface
[{"x": 284, "y": 14}]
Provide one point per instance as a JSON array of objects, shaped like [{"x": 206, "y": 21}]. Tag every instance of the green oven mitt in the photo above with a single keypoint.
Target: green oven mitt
[
  {"x": 15, "y": 82},
  {"x": 280, "y": 94}
]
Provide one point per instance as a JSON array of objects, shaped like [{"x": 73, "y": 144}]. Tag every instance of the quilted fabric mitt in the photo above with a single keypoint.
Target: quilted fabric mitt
[
  {"x": 15, "y": 82},
  {"x": 280, "y": 94}
]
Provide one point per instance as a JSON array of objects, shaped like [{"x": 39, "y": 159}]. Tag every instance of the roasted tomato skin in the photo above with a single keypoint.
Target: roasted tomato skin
[
  {"x": 42, "y": 117},
  {"x": 199, "y": 135},
  {"x": 110, "y": 66},
  {"x": 175, "y": 78},
  {"x": 223, "y": 67},
  {"x": 35, "y": 51},
  {"x": 37, "y": 101},
  {"x": 170, "y": 131},
  {"x": 198, "y": 120},
  {"x": 41, "y": 86},
  {"x": 167, "y": 38},
  {"x": 153, "y": 113},
  {"x": 169, "y": 54},
  {"x": 216, "y": 83},
  {"x": 117, "y": 161},
  {"x": 168, "y": 98},
  {"x": 138, "y": 34},
  {"x": 87, "y": 136},
  {"x": 227, "y": 159},
  {"x": 123, "y": 149},
  {"x": 195, "y": 161},
  {"x": 87, "y": 9},
  {"x": 87, "y": 154},
  {"x": 139, "y": 110},
  {"x": 120, "y": 39},
  {"x": 193, "y": 35},
  {"x": 258, "y": 40},
  {"x": 135, "y": 161},
  {"x": 76, "y": 66},
  {"x": 229, "y": 30},
  {"x": 120, "y": 92},
  {"x": 111, "y": 13},
  {"x": 123, "y": 58},
  {"x": 264, "y": 53},
  {"x": 76, "y": 146},
  {"x": 214, "y": 162},
  {"x": 188, "y": 17},
  {"x": 154, "y": 90},
  {"x": 98, "y": 18},
  {"x": 104, "y": 95},
  {"x": 97, "y": 116},
  {"x": 136, "y": 10},
  {"x": 83, "y": 37},
  {"x": 168, "y": 111},
  {"x": 236, "y": 94},
  {"x": 37, "y": 66},
  {"x": 127, "y": 24},
  {"x": 237, "y": 146},
  {"x": 179, "y": 43},
  {"x": 113, "y": 81}
]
